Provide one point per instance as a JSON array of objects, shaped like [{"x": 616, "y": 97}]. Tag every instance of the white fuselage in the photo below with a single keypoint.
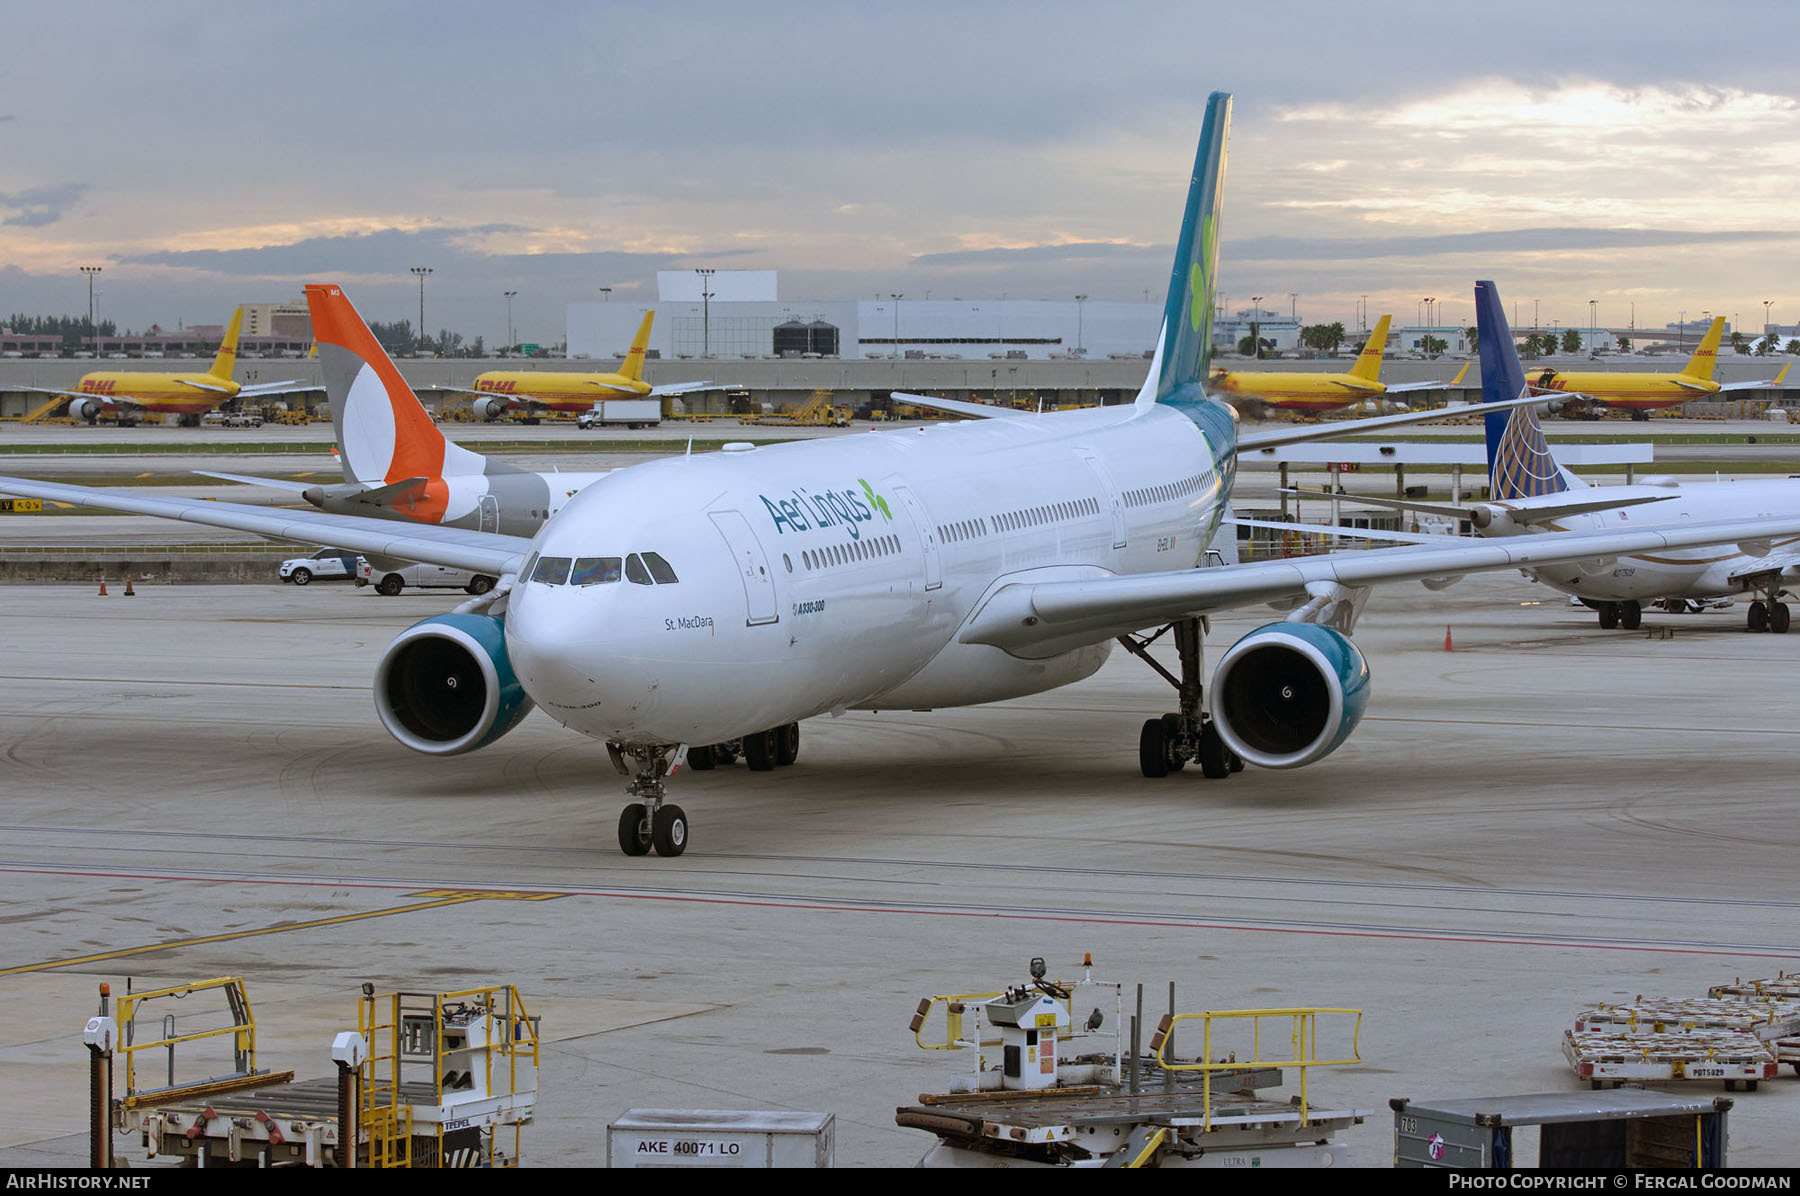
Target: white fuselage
[
  {"x": 1672, "y": 573},
  {"x": 834, "y": 574}
]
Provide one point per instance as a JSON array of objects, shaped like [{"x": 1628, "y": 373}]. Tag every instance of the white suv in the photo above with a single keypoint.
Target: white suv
[{"x": 327, "y": 564}]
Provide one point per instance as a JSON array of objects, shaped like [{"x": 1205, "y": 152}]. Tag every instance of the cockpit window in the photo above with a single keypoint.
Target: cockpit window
[
  {"x": 595, "y": 571},
  {"x": 551, "y": 570},
  {"x": 635, "y": 571},
  {"x": 659, "y": 569}
]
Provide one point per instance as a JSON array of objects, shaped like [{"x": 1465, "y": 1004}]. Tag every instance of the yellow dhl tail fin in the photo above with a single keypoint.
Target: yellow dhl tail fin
[
  {"x": 633, "y": 366},
  {"x": 1368, "y": 362},
  {"x": 225, "y": 364},
  {"x": 1700, "y": 365}
]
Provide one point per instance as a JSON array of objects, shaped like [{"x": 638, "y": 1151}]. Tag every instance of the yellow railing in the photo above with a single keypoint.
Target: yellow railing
[
  {"x": 241, "y": 1029},
  {"x": 1302, "y": 1038},
  {"x": 955, "y": 1006}
]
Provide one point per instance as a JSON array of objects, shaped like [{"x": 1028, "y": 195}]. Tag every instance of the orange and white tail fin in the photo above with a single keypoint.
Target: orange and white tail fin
[
  {"x": 225, "y": 363},
  {"x": 633, "y": 365},
  {"x": 383, "y": 431}
]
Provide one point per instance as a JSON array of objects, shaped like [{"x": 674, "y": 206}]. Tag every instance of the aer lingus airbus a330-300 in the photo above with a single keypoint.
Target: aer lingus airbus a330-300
[{"x": 722, "y": 598}]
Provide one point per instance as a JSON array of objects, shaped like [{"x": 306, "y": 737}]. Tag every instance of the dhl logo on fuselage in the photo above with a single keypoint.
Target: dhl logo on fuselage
[
  {"x": 98, "y": 386},
  {"x": 503, "y": 386}
]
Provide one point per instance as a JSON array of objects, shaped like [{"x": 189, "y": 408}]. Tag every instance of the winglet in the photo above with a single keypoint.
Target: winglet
[
  {"x": 225, "y": 363},
  {"x": 1368, "y": 361},
  {"x": 1782, "y": 374},
  {"x": 1460, "y": 375},
  {"x": 1185, "y": 346}
]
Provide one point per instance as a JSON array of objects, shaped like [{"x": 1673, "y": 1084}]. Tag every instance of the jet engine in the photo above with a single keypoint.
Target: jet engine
[
  {"x": 488, "y": 409},
  {"x": 86, "y": 409},
  {"x": 1494, "y": 520},
  {"x": 1288, "y": 694},
  {"x": 445, "y": 686}
]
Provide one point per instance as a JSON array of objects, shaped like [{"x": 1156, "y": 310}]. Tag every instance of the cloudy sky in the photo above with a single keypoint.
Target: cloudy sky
[{"x": 1645, "y": 156}]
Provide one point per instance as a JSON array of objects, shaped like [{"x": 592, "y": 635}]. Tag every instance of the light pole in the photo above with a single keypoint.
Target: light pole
[
  {"x": 706, "y": 294},
  {"x": 606, "y": 294},
  {"x": 895, "y": 297},
  {"x": 1079, "y": 300},
  {"x": 1255, "y": 324},
  {"x": 419, "y": 272},
  {"x": 1681, "y": 330},
  {"x": 1363, "y": 314},
  {"x": 93, "y": 333},
  {"x": 1766, "y": 303},
  {"x": 1294, "y": 306},
  {"x": 510, "y": 339}
]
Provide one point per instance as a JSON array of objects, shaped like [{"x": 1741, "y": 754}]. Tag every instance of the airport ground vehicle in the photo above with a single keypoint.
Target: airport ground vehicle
[
  {"x": 633, "y": 413},
  {"x": 425, "y": 577},
  {"x": 327, "y": 564},
  {"x": 426, "y": 1079}
]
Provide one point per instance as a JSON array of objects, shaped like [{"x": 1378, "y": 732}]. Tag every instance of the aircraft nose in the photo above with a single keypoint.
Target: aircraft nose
[{"x": 567, "y": 666}]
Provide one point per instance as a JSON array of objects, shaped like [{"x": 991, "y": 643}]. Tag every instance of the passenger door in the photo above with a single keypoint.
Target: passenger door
[{"x": 752, "y": 567}]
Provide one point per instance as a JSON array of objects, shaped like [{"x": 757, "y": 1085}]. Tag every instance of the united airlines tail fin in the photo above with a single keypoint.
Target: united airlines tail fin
[
  {"x": 225, "y": 363},
  {"x": 1185, "y": 346},
  {"x": 384, "y": 433},
  {"x": 1519, "y": 461},
  {"x": 633, "y": 365},
  {"x": 1700, "y": 365},
  {"x": 1368, "y": 362}
]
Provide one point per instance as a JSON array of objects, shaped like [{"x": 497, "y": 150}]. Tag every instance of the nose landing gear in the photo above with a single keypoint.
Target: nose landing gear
[{"x": 649, "y": 822}]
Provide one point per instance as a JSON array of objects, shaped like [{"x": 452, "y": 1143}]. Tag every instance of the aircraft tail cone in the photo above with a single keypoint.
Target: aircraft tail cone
[
  {"x": 103, "y": 585},
  {"x": 1448, "y": 646}
]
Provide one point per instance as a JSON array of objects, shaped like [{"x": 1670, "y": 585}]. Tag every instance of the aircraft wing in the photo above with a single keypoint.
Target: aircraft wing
[
  {"x": 1395, "y": 388},
  {"x": 1347, "y": 533},
  {"x": 1781, "y": 561},
  {"x": 1536, "y": 513},
  {"x": 250, "y": 480},
  {"x": 109, "y": 400},
  {"x": 958, "y": 406},
  {"x": 1775, "y": 381},
  {"x": 292, "y": 386},
  {"x": 686, "y": 388},
  {"x": 1300, "y": 433},
  {"x": 457, "y": 548},
  {"x": 1035, "y": 620},
  {"x": 209, "y": 387}
]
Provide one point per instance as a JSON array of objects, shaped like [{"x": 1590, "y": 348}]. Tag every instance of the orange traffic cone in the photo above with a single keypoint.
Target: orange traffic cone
[
  {"x": 129, "y": 592},
  {"x": 103, "y": 585},
  {"x": 1447, "y": 645}
]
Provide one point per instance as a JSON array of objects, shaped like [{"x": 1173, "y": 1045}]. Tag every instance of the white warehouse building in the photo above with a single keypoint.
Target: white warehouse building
[{"x": 736, "y": 314}]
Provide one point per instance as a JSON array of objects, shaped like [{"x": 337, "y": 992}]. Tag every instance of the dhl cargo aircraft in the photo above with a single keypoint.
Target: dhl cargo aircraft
[
  {"x": 1639, "y": 392},
  {"x": 498, "y": 392},
  {"x": 132, "y": 394},
  {"x": 1317, "y": 393}
]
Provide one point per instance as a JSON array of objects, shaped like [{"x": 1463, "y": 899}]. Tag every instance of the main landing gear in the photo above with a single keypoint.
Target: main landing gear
[
  {"x": 1168, "y": 744},
  {"x": 649, "y": 821},
  {"x": 776, "y": 747},
  {"x": 1629, "y": 615},
  {"x": 1768, "y": 616}
]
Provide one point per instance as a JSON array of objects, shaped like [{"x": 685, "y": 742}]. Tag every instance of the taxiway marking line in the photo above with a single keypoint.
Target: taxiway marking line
[{"x": 461, "y": 897}]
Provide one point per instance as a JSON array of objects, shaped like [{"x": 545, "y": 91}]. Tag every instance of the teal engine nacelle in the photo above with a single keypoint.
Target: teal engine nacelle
[
  {"x": 445, "y": 686},
  {"x": 1288, "y": 694}
]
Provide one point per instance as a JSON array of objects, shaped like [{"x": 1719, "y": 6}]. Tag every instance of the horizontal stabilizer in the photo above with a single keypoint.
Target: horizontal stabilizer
[{"x": 293, "y": 386}]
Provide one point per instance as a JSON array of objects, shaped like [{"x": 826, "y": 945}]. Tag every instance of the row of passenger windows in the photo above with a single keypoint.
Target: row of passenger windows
[
  {"x": 1166, "y": 493},
  {"x": 643, "y": 569},
  {"x": 1048, "y": 513},
  {"x": 849, "y": 552}
]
